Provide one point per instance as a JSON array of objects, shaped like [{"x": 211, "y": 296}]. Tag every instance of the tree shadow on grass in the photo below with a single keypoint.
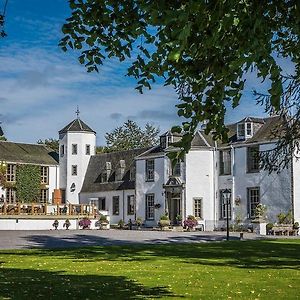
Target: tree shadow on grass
[
  {"x": 274, "y": 254},
  {"x": 38, "y": 284}
]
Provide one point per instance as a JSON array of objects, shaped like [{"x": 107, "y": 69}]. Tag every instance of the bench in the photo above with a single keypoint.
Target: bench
[{"x": 284, "y": 230}]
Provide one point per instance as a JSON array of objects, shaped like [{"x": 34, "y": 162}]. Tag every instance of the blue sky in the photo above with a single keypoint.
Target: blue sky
[{"x": 41, "y": 86}]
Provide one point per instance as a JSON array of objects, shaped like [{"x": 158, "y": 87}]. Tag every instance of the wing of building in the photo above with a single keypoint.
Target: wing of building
[{"x": 15, "y": 155}]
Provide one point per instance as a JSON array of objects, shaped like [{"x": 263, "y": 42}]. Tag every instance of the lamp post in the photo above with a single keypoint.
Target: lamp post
[{"x": 226, "y": 198}]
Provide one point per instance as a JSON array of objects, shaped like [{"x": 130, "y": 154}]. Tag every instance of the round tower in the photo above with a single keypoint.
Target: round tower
[{"x": 77, "y": 143}]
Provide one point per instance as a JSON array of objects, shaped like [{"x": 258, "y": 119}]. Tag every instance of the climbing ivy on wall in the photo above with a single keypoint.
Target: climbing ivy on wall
[{"x": 28, "y": 183}]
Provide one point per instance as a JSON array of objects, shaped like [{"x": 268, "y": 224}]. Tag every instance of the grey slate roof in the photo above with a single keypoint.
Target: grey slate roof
[
  {"x": 264, "y": 134},
  {"x": 27, "y": 153},
  {"x": 97, "y": 166},
  {"x": 76, "y": 125}
]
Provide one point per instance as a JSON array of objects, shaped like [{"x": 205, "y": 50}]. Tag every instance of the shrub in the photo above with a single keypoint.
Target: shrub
[
  {"x": 190, "y": 222},
  {"x": 269, "y": 227},
  {"x": 85, "y": 223},
  {"x": 103, "y": 219},
  {"x": 139, "y": 221},
  {"x": 285, "y": 218},
  {"x": 121, "y": 224},
  {"x": 164, "y": 221}
]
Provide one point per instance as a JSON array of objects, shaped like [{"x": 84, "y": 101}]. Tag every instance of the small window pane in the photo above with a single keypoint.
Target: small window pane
[
  {"x": 87, "y": 149},
  {"x": 74, "y": 149},
  {"x": 74, "y": 170}
]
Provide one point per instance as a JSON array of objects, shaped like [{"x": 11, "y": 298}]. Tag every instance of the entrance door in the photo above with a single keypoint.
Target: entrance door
[{"x": 174, "y": 207}]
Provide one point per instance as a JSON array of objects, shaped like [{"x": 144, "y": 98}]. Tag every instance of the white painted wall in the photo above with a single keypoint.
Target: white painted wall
[
  {"x": 81, "y": 160},
  {"x": 40, "y": 224},
  {"x": 114, "y": 219},
  {"x": 200, "y": 184},
  {"x": 275, "y": 189},
  {"x": 155, "y": 187}
]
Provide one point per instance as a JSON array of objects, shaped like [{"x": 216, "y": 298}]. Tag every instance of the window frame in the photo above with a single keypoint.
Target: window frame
[
  {"x": 44, "y": 195},
  {"x": 87, "y": 149},
  {"x": 149, "y": 209},
  {"x": 74, "y": 170},
  {"x": 150, "y": 172},
  {"x": 198, "y": 207},
  {"x": 253, "y": 163},
  {"x": 116, "y": 205},
  {"x": 44, "y": 175},
  {"x": 11, "y": 173},
  {"x": 223, "y": 161},
  {"x": 10, "y": 195},
  {"x": 130, "y": 205},
  {"x": 102, "y": 200},
  {"x": 62, "y": 150},
  {"x": 74, "y": 149},
  {"x": 252, "y": 205}
]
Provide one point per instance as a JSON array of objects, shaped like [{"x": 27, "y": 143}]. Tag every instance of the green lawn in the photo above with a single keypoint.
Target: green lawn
[{"x": 219, "y": 270}]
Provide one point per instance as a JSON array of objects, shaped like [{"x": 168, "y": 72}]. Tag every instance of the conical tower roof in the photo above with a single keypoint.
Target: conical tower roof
[{"x": 75, "y": 126}]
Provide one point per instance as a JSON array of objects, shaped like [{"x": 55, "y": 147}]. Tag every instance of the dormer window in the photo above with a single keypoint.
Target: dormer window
[
  {"x": 121, "y": 170},
  {"x": 244, "y": 130},
  {"x": 163, "y": 141},
  {"x": 241, "y": 131},
  {"x": 170, "y": 139},
  {"x": 249, "y": 130}
]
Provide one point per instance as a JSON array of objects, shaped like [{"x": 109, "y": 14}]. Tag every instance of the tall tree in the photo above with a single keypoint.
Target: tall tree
[
  {"x": 201, "y": 47},
  {"x": 51, "y": 143},
  {"x": 131, "y": 136}
]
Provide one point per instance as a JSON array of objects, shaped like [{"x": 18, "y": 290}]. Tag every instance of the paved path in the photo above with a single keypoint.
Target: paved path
[{"x": 76, "y": 238}]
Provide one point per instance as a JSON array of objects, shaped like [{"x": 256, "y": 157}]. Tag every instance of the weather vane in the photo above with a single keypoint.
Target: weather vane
[{"x": 77, "y": 112}]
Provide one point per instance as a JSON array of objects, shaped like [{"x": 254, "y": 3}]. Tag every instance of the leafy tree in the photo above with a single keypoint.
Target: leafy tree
[
  {"x": 201, "y": 47},
  {"x": 51, "y": 143},
  {"x": 131, "y": 136}
]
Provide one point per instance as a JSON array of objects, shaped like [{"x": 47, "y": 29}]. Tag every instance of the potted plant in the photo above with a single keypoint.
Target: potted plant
[
  {"x": 85, "y": 223},
  {"x": 55, "y": 224},
  {"x": 296, "y": 227},
  {"x": 67, "y": 224},
  {"x": 269, "y": 228},
  {"x": 190, "y": 223},
  {"x": 164, "y": 222},
  {"x": 102, "y": 222},
  {"x": 139, "y": 222},
  {"x": 121, "y": 224},
  {"x": 179, "y": 220}
]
